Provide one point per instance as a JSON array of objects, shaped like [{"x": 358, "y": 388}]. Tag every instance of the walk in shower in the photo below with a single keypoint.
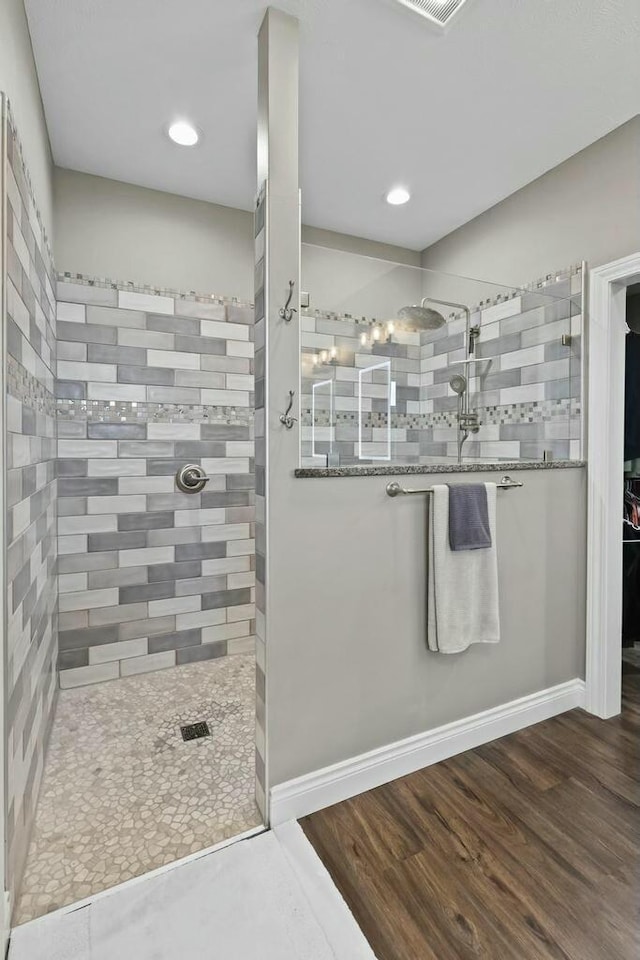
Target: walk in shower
[
  {"x": 130, "y": 602},
  {"x": 132, "y": 693},
  {"x": 410, "y": 366}
]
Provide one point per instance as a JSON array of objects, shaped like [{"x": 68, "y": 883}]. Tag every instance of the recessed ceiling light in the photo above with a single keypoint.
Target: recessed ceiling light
[
  {"x": 398, "y": 196},
  {"x": 183, "y": 133}
]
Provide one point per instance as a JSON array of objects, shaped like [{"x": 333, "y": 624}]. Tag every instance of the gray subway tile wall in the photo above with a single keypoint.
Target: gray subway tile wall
[
  {"x": 30, "y": 534},
  {"x": 525, "y": 376},
  {"x": 148, "y": 574}
]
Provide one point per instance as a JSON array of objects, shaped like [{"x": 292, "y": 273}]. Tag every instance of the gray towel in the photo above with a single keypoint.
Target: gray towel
[
  {"x": 468, "y": 517},
  {"x": 462, "y": 586}
]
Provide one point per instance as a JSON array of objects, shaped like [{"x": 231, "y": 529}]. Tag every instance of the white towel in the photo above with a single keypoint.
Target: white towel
[{"x": 462, "y": 589}]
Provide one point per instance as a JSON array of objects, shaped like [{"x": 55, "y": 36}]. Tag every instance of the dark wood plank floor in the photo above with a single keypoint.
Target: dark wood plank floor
[{"x": 524, "y": 849}]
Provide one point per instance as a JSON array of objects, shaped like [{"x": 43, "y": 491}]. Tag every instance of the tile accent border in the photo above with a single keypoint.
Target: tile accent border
[
  {"x": 31, "y": 392},
  {"x": 125, "y": 411},
  {"x": 539, "y": 411},
  {"x": 190, "y": 296}
]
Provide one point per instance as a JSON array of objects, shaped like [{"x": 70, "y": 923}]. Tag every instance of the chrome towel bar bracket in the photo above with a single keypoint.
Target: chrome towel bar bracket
[{"x": 395, "y": 490}]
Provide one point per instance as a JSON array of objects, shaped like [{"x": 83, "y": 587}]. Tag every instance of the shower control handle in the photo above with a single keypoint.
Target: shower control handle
[{"x": 191, "y": 478}]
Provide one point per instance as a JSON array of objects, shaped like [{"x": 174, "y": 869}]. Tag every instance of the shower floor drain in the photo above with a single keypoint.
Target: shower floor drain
[{"x": 192, "y": 731}]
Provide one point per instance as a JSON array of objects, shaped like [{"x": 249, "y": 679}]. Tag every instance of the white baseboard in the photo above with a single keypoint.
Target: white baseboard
[{"x": 322, "y": 788}]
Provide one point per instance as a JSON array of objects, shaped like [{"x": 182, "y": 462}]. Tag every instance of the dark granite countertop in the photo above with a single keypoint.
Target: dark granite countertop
[{"x": 400, "y": 469}]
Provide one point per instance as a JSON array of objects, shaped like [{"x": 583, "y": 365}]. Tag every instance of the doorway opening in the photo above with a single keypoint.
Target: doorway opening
[
  {"x": 607, "y": 348},
  {"x": 631, "y": 506}
]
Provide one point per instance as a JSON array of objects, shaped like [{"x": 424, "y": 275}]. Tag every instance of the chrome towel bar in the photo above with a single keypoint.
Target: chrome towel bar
[{"x": 395, "y": 490}]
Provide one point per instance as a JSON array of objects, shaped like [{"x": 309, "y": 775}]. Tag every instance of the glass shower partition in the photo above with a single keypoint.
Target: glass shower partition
[{"x": 378, "y": 384}]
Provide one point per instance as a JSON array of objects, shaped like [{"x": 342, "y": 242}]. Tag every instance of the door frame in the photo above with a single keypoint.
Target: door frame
[{"x": 605, "y": 451}]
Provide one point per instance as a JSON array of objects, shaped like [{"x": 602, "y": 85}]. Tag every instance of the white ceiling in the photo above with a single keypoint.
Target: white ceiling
[{"x": 463, "y": 118}]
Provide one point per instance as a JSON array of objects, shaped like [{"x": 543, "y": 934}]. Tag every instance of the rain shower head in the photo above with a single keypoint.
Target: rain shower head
[
  {"x": 422, "y": 318},
  {"x": 458, "y": 383}
]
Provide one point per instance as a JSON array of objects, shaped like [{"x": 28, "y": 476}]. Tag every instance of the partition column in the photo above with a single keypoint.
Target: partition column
[
  {"x": 277, "y": 352},
  {"x": 5, "y": 905}
]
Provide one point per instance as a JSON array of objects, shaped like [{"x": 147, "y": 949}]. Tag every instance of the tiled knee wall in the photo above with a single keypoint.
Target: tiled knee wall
[
  {"x": 30, "y": 445},
  {"x": 150, "y": 577}
]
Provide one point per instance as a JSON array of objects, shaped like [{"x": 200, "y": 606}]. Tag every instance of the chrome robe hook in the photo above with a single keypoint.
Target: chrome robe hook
[
  {"x": 285, "y": 419},
  {"x": 288, "y": 311}
]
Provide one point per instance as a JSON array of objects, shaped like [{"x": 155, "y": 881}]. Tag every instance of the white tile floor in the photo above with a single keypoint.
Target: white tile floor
[
  {"x": 123, "y": 793},
  {"x": 266, "y": 898}
]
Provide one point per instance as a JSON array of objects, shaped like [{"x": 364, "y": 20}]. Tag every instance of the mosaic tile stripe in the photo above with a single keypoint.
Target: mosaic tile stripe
[
  {"x": 26, "y": 388},
  {"x": 125, "y": 411},
  {"x": 191, "y": 296},
  {"x": 537, "y": 412}
]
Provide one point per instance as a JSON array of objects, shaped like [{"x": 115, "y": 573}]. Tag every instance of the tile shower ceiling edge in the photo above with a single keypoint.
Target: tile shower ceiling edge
[{"x": 440, "y": 12}]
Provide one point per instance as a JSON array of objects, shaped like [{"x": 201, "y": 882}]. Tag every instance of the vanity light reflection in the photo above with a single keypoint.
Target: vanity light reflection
[
  {"x": 379, "y": 334},
  {"x": 325, "y": 356}
]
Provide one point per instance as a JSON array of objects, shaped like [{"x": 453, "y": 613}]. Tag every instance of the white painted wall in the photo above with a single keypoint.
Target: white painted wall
[
  {"x": 121, "y": 231},
  {"x": 19, "y": 81},
  {"x": 105, "y": 228},
  {"x": 586, "y": 208},
  {"x": 355, "y": 280},
  {"x": 348, "y": 666},
  {"x": 348, "y": 669},
  {"x": 357, "y": 283}
]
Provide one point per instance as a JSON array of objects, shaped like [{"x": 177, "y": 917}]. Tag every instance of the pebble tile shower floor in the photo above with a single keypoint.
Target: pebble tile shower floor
[{"x": 123, "y": 793}]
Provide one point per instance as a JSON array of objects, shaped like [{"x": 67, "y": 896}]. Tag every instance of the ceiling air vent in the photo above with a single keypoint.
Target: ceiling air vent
[{"x": 440, "y": 12}]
